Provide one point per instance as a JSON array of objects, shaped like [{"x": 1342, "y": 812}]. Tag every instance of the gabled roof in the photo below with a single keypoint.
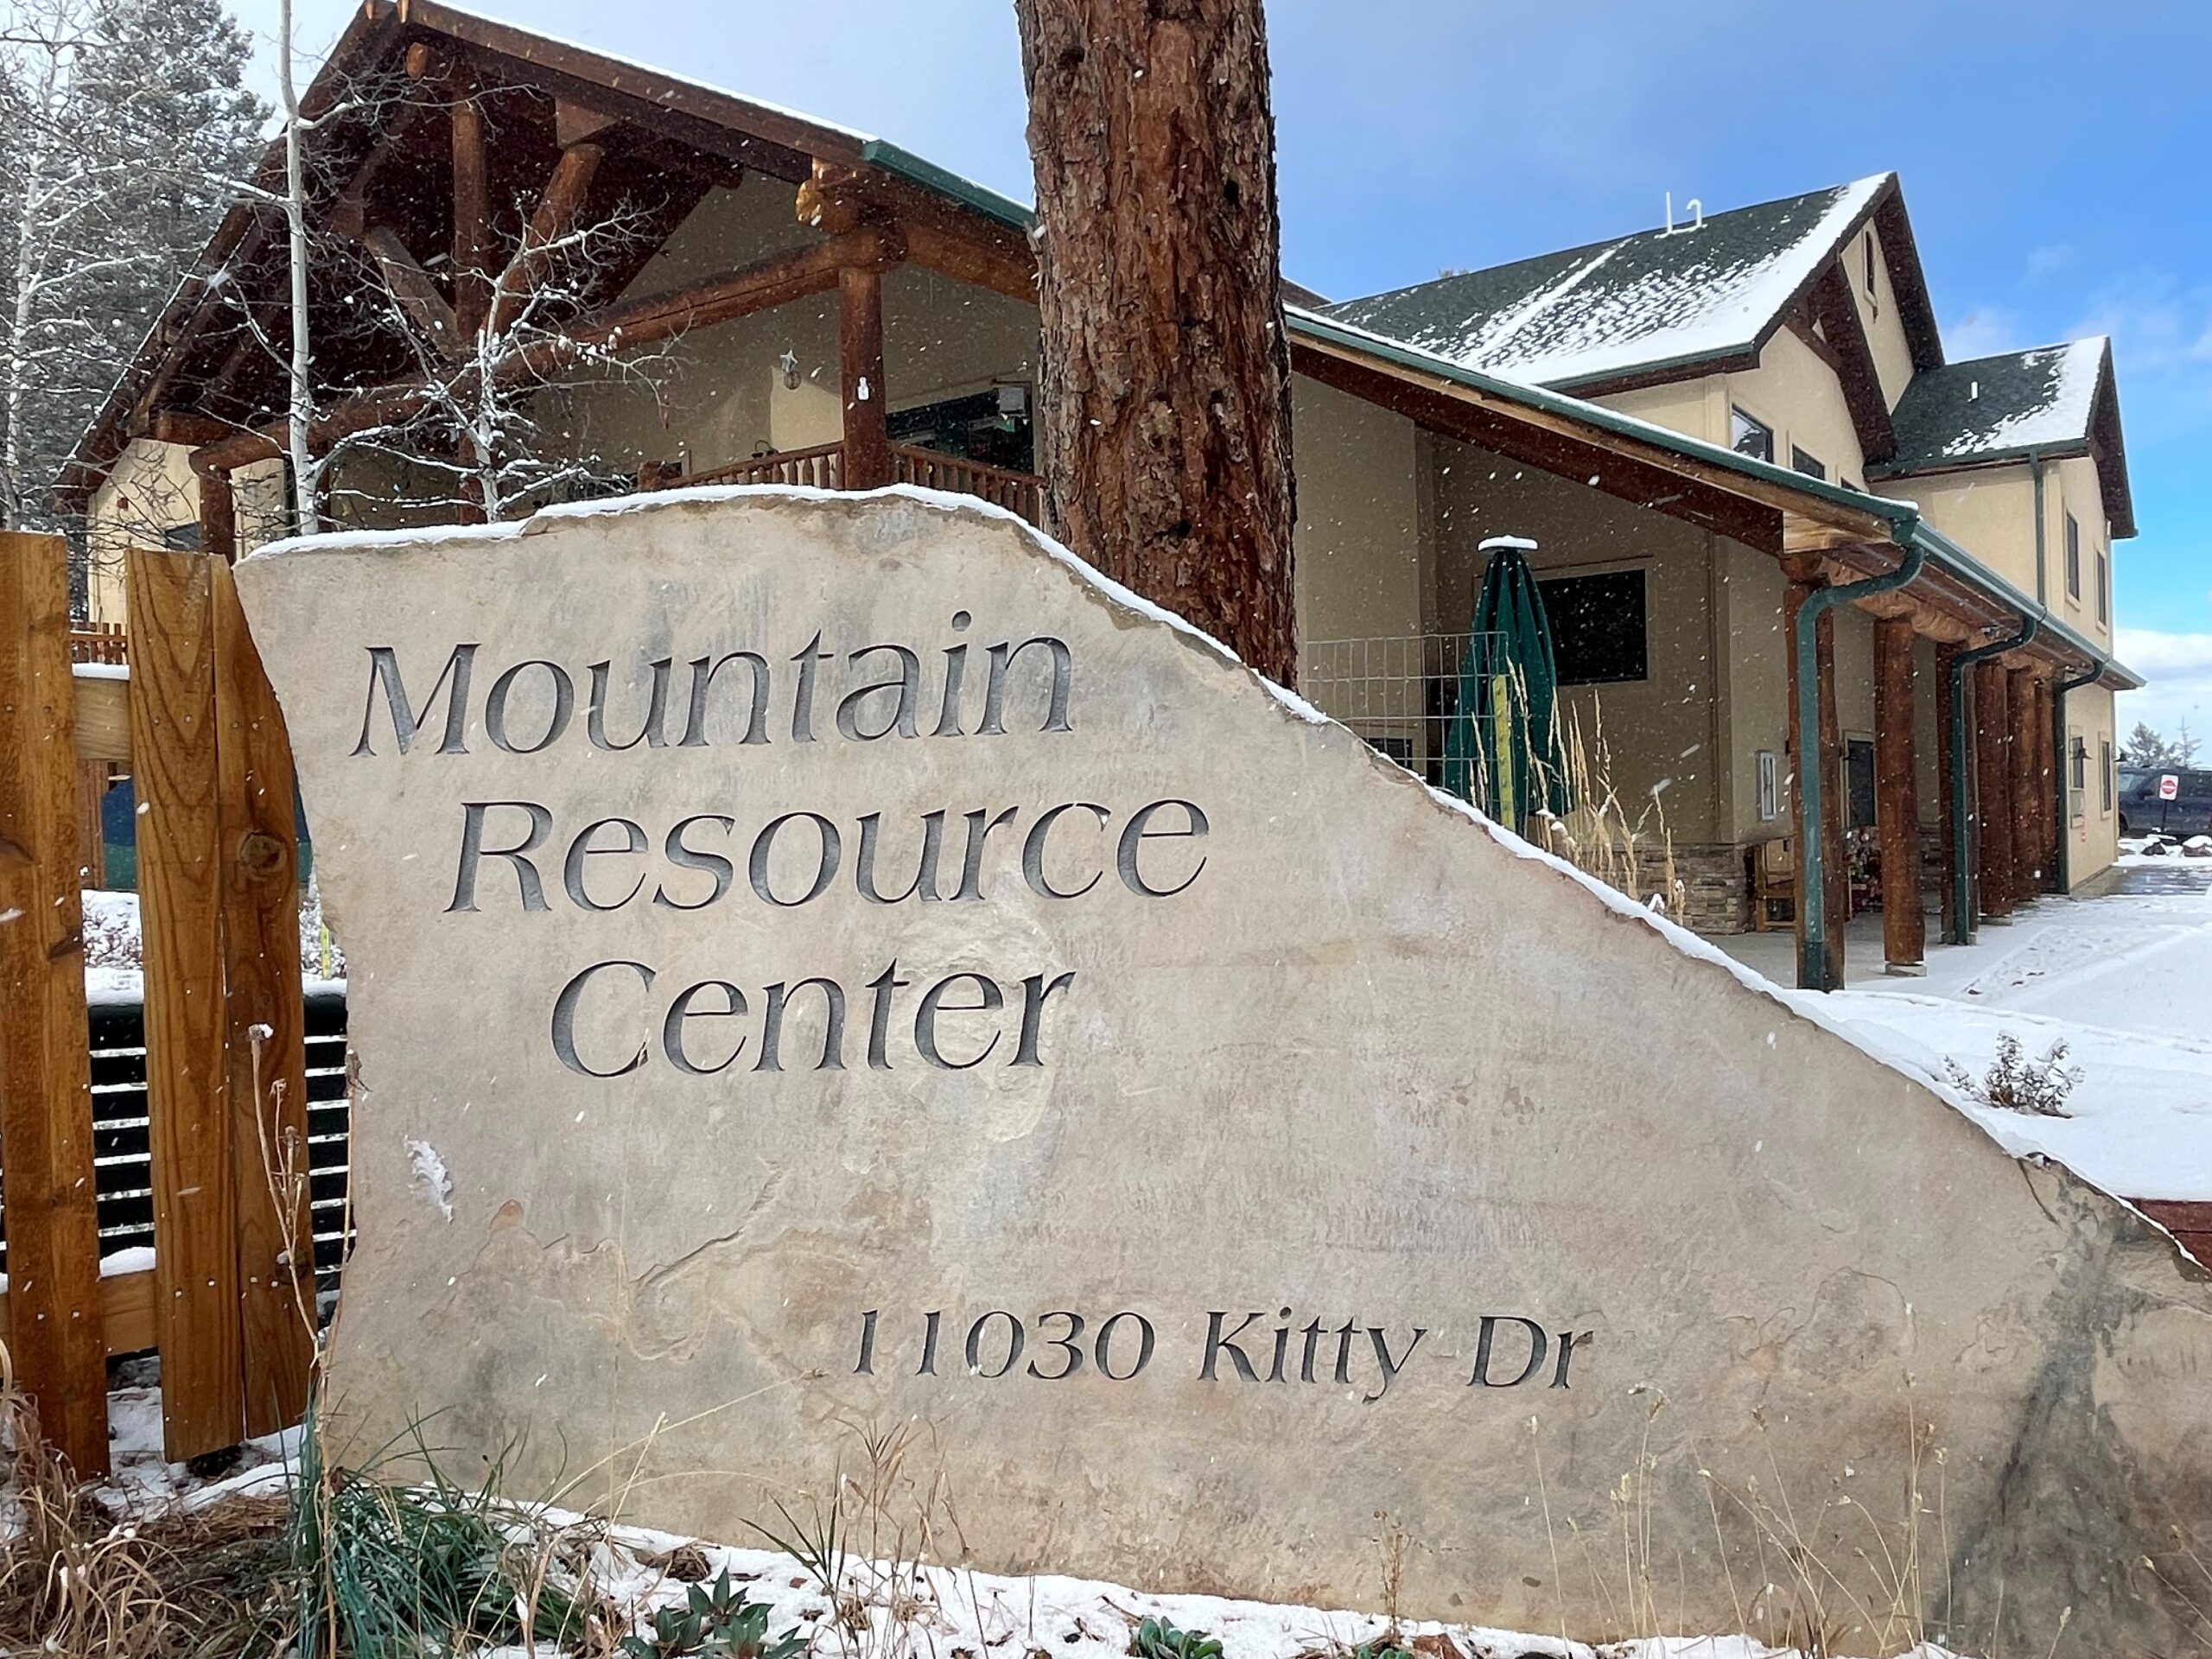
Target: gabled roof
[
  {"x": 1655, "y": 305},
  {"x": 2051, "y": 401}
]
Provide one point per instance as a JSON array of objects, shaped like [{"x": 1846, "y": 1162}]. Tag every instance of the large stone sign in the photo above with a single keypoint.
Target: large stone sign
[{"x": 822, "y": 965}]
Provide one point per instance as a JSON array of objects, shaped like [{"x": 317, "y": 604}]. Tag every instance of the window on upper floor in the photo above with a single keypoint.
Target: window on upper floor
[
  {"x": 1809, "y": 465},
  {"x": 1598, "y": 627},
  {"x": 2073, "y": 558},
  {"x": 2104, "y": 589},
  {"x": 1748, "y": 436},
  {"x": 1874, "y": 300}
]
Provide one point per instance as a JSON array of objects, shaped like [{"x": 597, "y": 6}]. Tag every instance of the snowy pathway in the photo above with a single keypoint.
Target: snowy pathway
[{"x": 2125, "y": 980}]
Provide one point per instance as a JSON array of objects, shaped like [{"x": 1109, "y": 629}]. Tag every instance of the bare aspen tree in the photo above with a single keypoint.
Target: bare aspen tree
[{"x": 1164, "y": 429}]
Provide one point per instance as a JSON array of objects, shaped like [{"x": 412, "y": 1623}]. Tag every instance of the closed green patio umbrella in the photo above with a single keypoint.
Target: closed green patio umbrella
[{"x": 1502, "y": 749}]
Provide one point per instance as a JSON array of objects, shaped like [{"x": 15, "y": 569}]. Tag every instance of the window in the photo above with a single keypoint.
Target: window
[
  {"x": 2104, "y": 589},
  {"x": 1597, "y": 627},
  {"x": 1770, "y": 786},
  {"x": 2073, "y": 558},
  {"x": 1859, "y": 781},
  {"x": 1806, "y": 464},
  {"x": 1873, "y": 304},
  {"x": 1747, "y": 436},
  {"x": 2106, "y": 776},
  {"x": 992, "y": 427},
  {"x": 2077, "y": 781}
]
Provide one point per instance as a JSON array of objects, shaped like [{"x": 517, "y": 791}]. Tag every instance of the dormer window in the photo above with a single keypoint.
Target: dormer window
[
  {"x": 1873, "y": 303},
  {"x": 1748, "y": 436}
]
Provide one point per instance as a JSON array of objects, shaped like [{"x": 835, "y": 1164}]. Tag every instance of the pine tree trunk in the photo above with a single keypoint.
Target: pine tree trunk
[{"x": 1164, "y": 414}]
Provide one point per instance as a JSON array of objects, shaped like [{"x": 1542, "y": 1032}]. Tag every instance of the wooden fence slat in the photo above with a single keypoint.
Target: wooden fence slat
[
  {"x": 57, "y": 1333},
  {"x": 103, "y": 719},
  {"x": 173, "y": 739},
  {"x": 261, "y": 962}
]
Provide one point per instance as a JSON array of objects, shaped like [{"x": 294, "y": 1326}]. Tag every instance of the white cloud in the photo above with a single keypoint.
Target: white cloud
[
  {"x": 2178, "y": 667},
  {"x": 2052, "y": 256},
  {"x": 1984, "y": 331}
]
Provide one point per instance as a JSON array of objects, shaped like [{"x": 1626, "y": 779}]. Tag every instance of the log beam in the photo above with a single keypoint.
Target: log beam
[
  {"x": 1896, "y": 797},
  {"x": 555, "y": 217},
  {"x": 415, "y": 292},
  {"x": 219, "y": 517}
]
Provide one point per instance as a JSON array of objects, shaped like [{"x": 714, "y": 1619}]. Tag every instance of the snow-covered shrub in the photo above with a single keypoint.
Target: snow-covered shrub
[
  {"x": 111, "y": 936},
  {"x": 2018, "y": 1083},
  {"x": 319, "y": 956}
]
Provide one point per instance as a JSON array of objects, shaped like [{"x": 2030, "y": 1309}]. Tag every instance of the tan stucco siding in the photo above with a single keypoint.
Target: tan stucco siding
[
  {"x": 1879, "y": 313},
  {"x": 2093, "y": 835},
  {"x": 1795, "y": 393},
  {"x": 1683, "y": 406},
  {"x": 150, "y": 498},
  {"x": 2071, "y": 488},
  {"x": 1357, "y": 548},
  {"x": 1989, "y": 512},
  {"x": 1758, "y": 689},
  {"x": 1663, "y": 733}
]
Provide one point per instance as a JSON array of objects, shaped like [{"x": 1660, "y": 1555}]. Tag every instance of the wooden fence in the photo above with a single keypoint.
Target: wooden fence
[{"x": 229, "y": 1301}]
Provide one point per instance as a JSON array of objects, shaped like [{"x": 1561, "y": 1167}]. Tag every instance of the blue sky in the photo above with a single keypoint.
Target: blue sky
[{"x": 2054, "y": 155}]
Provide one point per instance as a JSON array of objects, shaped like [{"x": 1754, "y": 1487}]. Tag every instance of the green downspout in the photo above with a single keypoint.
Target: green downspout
[
  {"x": 1963, "y": 763},
  {"x": 1812, "y": 891},
  {"x": 2065, "y": 762},
  {"x": 2043, "y": 574}
]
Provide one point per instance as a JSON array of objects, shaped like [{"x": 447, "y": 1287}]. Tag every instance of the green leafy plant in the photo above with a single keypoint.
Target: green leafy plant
[
  {"x": 1155, "y": 1638},
  {"x": 713, "y": 1623},
  {"x": 425, "y": 1568},
  {"x": 1381, "y": 1649}
]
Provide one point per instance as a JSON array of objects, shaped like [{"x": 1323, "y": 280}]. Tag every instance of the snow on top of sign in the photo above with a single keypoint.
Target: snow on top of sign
[
  {"x": 100, "y": 670},
  {"x": 1795, "y": 1004}
]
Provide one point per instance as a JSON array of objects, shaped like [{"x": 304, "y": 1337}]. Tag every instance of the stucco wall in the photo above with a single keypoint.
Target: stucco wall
[
  {"x": 1358, "y": 546},
  {"x": 150, "y": 498},
  {"x": 1988, "y": 511},
  {"x": 1878, "y": 315},
  {"x": 1797, "y": 394},
  {"x": 2071, "y": 487},
  {"x": 1663, "y": 733},
  {"x": 2093, "y": 836}
]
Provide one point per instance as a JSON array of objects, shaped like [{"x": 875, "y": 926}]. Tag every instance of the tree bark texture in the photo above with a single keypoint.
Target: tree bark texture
[{"x": 1164, "y": 411}]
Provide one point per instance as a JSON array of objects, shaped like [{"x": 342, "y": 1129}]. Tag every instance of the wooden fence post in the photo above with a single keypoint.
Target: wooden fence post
[
  {"x": 173, "y": 743},
  {"x": 261, "y": 994},
  {"x": 56, "y": 1333}
]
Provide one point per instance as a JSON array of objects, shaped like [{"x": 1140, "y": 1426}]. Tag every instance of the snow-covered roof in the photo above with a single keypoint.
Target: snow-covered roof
[
  {"x": 1709, "y": 289},
  {"x": 1962, "y": 412}
]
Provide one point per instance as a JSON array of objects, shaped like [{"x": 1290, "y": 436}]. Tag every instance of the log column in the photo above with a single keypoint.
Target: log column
[
  {"x": 1993, "y": 725},
  {"x": 1826, "y": 753},
  {"x": 219, "y": 516},
  {"x": 859, "y": 353},
  {"x": 1947, "y": 829},
  {"x": 2047, "y": 812},
  {"x": 2030, "y": 864},
  {"x": 1904, "y": 929}
]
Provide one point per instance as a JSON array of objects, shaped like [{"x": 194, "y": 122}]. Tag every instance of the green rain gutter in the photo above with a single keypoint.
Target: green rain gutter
[
  {"x": 1812, "y": 891},
  {"x": 1962, "y": 836}
]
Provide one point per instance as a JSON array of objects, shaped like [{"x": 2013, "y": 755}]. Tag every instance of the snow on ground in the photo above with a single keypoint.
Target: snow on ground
[
  {"x": 914, "y": 1612},
  {"x": 115, "y": 948},
  {"x": 2124, "y": 979}
]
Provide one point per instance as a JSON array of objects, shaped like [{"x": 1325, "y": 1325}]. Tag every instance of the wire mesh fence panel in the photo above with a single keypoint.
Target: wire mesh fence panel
[{"x": 1403, "y": 692}]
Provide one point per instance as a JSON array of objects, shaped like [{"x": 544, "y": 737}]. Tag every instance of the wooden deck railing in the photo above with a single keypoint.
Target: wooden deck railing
[
  {"x": 1021, "y": 492},
  {"x": 99, "y": 642},
  {"x": 823, "y": 467}
]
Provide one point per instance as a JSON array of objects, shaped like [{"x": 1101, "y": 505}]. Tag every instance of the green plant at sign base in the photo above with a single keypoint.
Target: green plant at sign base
[
  {"x": 1156, "y": 1638},
  {"x": 1380, "y": 1649},
  {"x": 716, "y": 1623}
]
